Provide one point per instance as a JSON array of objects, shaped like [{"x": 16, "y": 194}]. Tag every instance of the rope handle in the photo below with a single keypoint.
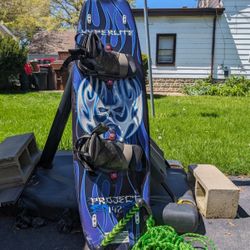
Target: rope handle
[
  {"x": 119, "y": 227},
  {"x": 124, "y": 221}
]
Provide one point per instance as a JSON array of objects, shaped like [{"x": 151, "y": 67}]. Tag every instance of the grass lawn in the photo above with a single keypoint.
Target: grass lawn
[{"x": 212, "y": 130}]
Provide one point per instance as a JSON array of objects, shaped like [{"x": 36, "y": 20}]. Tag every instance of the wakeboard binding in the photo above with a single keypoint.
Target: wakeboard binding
[
  {"x": 107, "y": 155},
  {"x": 96, "y": 60}
]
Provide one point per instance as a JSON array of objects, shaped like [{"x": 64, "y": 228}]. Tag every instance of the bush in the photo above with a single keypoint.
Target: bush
[
  {"x": 145, "y": 64},
  {"x": 233, "y": 86},
  {"x": 12, "y": 59}
]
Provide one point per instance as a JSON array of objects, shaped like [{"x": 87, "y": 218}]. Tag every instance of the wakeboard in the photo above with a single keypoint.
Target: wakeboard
[{"x": 106, "y": 197}]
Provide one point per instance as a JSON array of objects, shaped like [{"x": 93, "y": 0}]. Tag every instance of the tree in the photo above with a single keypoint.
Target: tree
[
  {"x": 67, "y": 12},
  {"x": 26, "y": 17}
]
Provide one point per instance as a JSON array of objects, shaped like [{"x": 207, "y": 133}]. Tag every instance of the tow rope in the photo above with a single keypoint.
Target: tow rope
[
  {"x": 165, "y": 238},
  {"x": 160, "y": 237}
]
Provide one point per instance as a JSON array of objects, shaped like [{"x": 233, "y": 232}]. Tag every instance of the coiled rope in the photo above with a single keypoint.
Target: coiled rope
[
  {"x": 160, "y": 237},
  {"x": 165, "y": 238}
]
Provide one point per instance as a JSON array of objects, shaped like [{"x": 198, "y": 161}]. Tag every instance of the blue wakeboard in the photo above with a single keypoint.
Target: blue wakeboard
[{"x": 104, "y": 199}]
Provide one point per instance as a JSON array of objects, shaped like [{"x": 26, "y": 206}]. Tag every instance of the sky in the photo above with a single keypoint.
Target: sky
[{"x": 167, "y": 3}]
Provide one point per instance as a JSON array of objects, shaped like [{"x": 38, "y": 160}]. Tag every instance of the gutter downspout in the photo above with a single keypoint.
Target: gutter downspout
[
  {"x": 213, "y": 46},
  {"x": 150, "y": 77}
]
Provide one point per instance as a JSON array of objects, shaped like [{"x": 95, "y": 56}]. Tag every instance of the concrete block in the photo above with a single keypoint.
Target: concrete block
[
  {"x": 216, "y": 195},
  {"x": 10, "y": 196},
  {"x": 18, "y": 157}
]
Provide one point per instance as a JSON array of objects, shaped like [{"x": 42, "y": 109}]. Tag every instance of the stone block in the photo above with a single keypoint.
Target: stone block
[
  {"x": 216, "y": 195},
  {"x": 18, "y": 158}
]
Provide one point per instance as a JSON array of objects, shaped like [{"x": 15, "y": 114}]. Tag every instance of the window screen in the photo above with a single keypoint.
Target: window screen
[{"x": 166, "y": 46}]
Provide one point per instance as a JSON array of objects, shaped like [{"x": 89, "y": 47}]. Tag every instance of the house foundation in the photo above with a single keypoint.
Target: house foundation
[{"x": 170, "y": 85}]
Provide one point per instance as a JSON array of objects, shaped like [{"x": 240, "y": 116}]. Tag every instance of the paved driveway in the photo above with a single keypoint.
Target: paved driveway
[
  {"x": 233, "y": 234},
  {"x": 227, "y": 234}
]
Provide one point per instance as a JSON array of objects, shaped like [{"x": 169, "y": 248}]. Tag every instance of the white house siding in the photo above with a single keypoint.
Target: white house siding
[
  {"x": 194, "y": 42},
  {"x": 193, "y": 45},
  {"x": 233, "y": 39}
]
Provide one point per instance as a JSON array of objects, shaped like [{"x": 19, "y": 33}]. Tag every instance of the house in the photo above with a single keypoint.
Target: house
[
  {"x": 192, "y": 43},
  {"x": 54, "y": 45},
  {"x": 212, "y": 39},
  {"x": 46, "y": 44}
]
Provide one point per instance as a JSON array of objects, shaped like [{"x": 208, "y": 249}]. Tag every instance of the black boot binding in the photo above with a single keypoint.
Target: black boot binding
[
  {"x": 94, "y": 60},
  {"x": 108, "y": 156}
]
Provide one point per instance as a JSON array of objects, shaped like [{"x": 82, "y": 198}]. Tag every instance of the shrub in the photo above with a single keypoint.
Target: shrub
[
  {"x": 233, "y": 86},
  {"x": 12, "y": 59},
  {"x": 201, "y": 87}
]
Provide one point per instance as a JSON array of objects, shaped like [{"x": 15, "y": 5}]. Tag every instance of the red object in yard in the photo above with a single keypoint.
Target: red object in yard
[{"x": 28, "y": 69}]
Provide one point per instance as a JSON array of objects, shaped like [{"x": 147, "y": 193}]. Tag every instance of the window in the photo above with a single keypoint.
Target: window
[{"x": 166, "y": 48}]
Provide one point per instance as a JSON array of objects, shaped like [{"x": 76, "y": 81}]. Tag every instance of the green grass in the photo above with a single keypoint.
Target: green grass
[
  {"x": 213, "y": 130},
  {"x": 32, "y": 112}
]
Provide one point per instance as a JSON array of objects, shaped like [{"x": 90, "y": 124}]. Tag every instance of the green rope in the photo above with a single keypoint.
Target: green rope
[
  {"x": 119, "y": 227},
  {"x": 160, "y": 237},
  {"x": 165, "y": 238}
]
